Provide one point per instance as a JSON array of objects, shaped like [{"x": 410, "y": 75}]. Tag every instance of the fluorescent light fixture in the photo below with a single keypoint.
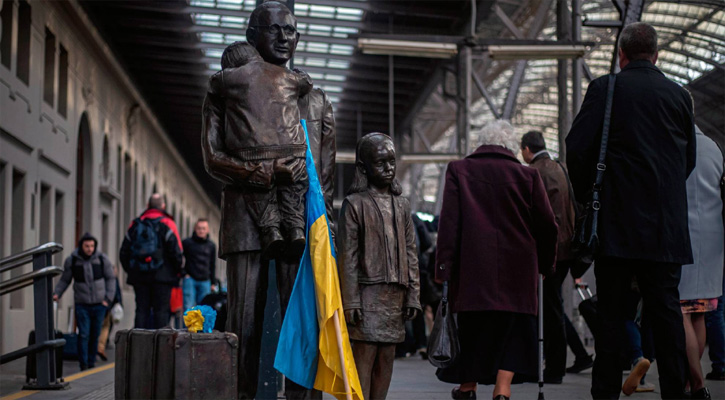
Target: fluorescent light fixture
[
  {"x": 348, "y": 157},
  {"x": 535, "y": 52},
  {"x": 407, "y": 48}
]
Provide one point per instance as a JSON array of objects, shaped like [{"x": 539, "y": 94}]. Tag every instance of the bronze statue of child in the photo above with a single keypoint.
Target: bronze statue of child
[
  {"x": 378, "y": 263},
  {"x": 262, "y": 124}
]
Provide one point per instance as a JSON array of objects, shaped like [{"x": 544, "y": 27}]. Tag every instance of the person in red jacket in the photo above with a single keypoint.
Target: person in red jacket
[{"x": 152, "y": 256}]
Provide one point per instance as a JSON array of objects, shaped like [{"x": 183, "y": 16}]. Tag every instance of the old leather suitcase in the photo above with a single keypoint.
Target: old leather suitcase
[{"x": 174, "y": 364}]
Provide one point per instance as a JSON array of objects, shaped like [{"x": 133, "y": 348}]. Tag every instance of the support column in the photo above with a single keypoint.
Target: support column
[
  {"x": 563, "y": 31},
  {"x": 391, "y": 99},
  {"x": 463, "y": 120},
  {"x": 576, "y": 73}
]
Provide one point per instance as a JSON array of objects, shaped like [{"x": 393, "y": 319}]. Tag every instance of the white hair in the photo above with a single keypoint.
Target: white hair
[{"x": 499, "y": 133}]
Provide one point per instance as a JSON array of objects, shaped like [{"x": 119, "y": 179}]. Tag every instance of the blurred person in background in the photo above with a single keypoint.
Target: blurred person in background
[
  {"x": 108, "y": 321},
  {"x": 152, "y": 256},
  {"x": 556, "y": 183},
  {"x": 200, "y": 267},
  {"x": 94, "y": 288},
  {"x": 702, "y": 281}
]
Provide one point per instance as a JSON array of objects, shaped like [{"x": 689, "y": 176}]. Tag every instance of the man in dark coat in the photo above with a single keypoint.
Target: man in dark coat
[
  {"x": 643, "y": 228},
  {"x": 553, "y": 174},
  {"x": 153, "y": 287},
  {"x": 239, "y": 237},
  {"x": 200, "y": 266}
]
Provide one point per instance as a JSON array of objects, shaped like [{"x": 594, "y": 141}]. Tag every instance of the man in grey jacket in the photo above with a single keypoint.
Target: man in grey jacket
[{"x": 94, "y": 287}]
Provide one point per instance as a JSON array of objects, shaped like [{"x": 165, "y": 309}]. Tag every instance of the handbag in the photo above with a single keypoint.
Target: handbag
[
  {"x": 586, "y": 239},
  {"x": 443, "y": 344},
  {"x": 117, "y": 313}
]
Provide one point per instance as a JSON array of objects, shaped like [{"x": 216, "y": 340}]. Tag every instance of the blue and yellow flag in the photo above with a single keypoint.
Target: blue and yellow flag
[{"x": 307, "y": 352}]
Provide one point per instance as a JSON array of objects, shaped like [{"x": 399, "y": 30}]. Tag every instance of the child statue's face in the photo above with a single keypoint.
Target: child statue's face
[{"x": 380, "y": 163}]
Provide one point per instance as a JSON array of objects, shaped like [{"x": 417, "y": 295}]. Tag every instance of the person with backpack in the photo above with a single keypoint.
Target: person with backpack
[
  {"x": 152, "y": 256},
  {"x": 94, "y": 288}
]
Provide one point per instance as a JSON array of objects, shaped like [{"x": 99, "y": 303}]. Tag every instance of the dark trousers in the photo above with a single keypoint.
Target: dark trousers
[
  {"x": 554, "y": 322},
  {"x": 247, "y": 280},
  {"x": 374, "y": 364},
  {"x": 574, "y": 341},
  {"x": 90, "y": 319},
  {"x": 661, "y": 305},
  {"x": 156, "y": 297}
]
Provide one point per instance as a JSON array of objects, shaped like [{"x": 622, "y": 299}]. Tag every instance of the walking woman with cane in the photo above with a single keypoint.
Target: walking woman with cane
[{"x": 497, "y": 233}]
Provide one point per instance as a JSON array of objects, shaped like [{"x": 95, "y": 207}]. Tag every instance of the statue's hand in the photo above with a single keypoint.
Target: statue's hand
[
  {"x": 410, "y": 313},
  {"x": 353, "y": 316},
  {"x": 289, "y": 169}
]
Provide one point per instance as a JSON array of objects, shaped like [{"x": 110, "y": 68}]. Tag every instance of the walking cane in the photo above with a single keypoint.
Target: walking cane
[{"x": 541, "y": 337}]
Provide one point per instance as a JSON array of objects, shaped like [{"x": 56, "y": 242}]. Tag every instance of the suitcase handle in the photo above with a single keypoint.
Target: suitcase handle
[{"x": 581, "y": 288}]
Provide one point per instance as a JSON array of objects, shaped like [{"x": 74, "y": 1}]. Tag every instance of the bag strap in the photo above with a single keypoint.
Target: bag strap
[
  {"x": 601, "y": 166},
  {"x": 572, "y": 199}
]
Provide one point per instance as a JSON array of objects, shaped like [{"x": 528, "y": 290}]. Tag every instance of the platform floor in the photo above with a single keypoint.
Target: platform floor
[{"x": 413, "y": 379}]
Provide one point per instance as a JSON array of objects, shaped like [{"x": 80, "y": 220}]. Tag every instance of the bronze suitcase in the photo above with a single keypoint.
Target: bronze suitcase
[{"x": 174, "y": 364}]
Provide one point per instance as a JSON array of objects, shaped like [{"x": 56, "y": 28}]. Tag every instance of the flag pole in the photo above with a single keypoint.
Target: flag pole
[{"x": 338, "y": 333}]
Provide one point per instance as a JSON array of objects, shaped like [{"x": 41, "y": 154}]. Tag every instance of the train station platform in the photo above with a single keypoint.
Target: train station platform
[{"x": 413, "y": 379}]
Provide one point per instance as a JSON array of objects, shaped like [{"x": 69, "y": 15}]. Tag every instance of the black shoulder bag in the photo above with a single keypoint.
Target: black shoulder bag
[
  {"x": 443, "y": 345},
  {"x": 586, "y": 239}
]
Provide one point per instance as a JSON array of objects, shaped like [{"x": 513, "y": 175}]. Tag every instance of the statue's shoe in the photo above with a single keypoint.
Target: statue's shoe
[{"x": 273, "y": 244}]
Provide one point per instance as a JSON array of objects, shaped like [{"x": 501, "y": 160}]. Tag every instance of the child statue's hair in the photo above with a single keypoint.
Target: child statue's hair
[
  {"x": 238, "y": 54},
  {"x": 360, "y": 181}
]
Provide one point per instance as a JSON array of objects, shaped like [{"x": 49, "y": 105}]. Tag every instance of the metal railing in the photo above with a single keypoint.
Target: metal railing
[{"x": 44, "y": 349}]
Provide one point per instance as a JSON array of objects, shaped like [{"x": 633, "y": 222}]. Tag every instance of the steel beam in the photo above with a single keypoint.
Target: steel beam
[
  {"x": 516, "y": 79},
  {"x": 520, "y": 69},
  {"x": 576, "y": 67},
  {"x": 391, "y": 99},
  {"x": 629, "y": 11},
  {"x": 463, "y": 99},
  {"x": 486, "y": 95},
  {"x": 507, "y": 22},
  {"x": 563, "y": 32},
  {"x": 587, "y": 71}
]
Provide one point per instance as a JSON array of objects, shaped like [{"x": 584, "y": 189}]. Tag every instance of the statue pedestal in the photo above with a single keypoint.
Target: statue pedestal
[{"x": 270, "y": 381}]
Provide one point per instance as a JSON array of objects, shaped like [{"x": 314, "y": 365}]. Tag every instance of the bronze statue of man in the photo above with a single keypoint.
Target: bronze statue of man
[
  {"x": 378, "y": 264},
  {"x": 272, "y": 31}
]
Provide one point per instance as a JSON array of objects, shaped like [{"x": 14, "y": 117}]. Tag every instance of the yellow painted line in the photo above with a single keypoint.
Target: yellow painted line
[
  {"x": 19, "y": 395},
  {"x": 87, "y": 372},
  {"x": 79, "y": 375}
]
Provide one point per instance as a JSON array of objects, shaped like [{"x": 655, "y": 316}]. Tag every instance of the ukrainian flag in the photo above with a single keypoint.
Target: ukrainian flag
[{"x": 308, "y": 352}]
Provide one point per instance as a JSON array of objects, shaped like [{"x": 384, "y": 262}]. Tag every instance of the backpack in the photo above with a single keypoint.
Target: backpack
[{"x": 147, "y": 254}]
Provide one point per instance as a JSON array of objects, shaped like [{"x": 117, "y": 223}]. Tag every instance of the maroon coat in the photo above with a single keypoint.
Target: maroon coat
[{"x": 496, "y": 233}]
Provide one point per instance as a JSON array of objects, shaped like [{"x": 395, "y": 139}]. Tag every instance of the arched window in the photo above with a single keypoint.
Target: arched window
[{"x": 84, "y": 176}]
